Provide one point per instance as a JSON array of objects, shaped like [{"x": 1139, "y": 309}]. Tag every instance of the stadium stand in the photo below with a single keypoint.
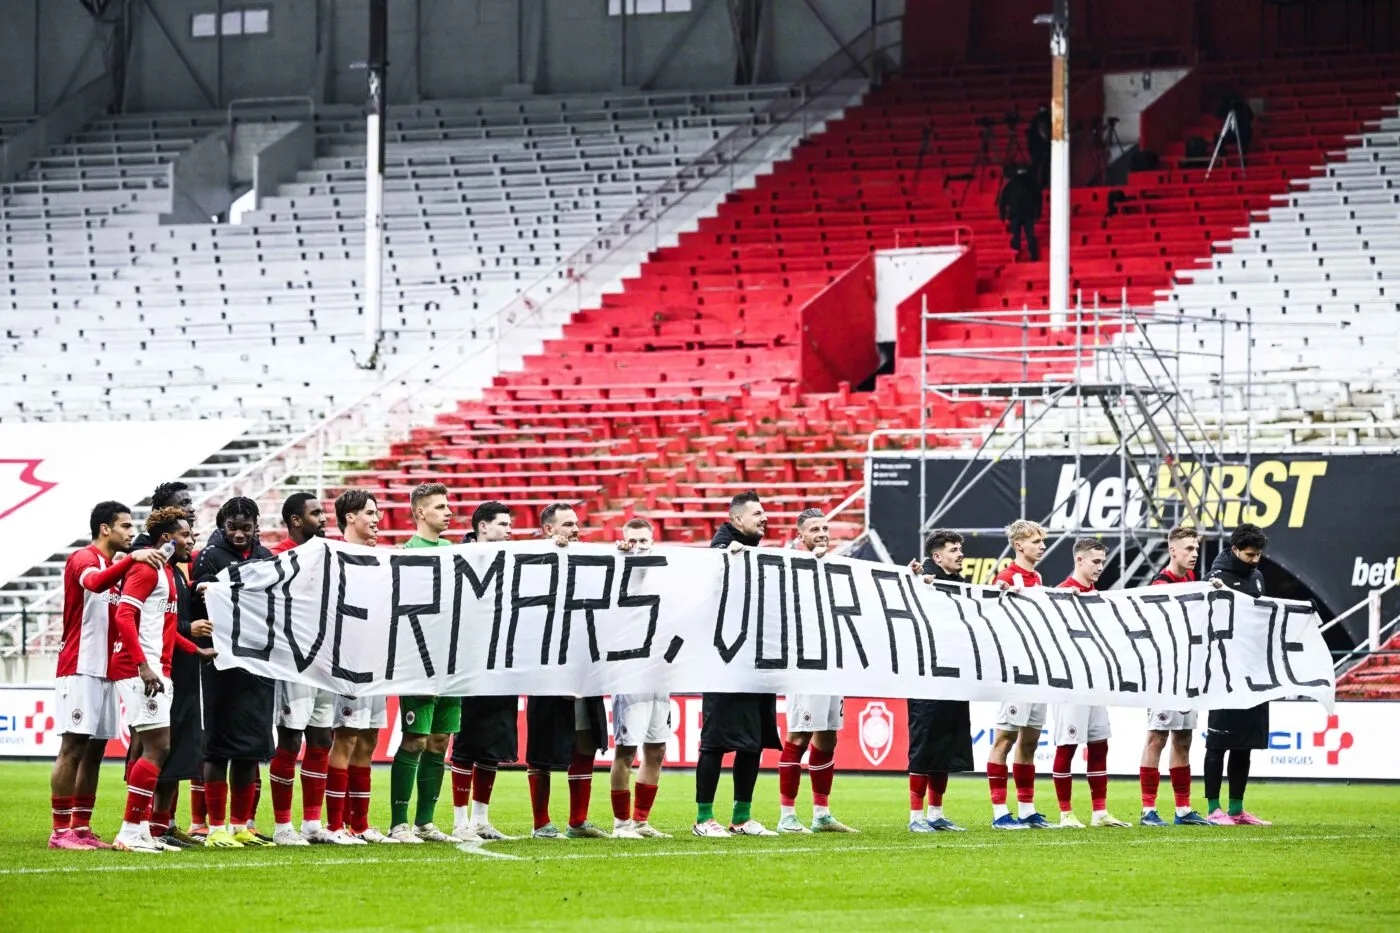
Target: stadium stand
[
  {"x": 121, "y": 315},
  {"x": 688, "y": 386}
]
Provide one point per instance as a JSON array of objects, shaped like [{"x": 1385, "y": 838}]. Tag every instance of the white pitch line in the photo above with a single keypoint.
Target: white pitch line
[{"x": 168, "y": 863}]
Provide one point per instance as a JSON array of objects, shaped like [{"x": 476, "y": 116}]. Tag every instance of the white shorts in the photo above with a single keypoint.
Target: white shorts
[
  {"x": 1165, "y": 720},
  {"x": 143, "y": 712},
  {"x": 1079, "y": 725},
  {"x": 361, "y": 713},
  {"x": 301, "y": 705},
  {"x": 815, "y": 712},
  {"x": 86, "y": 705},
  {"x": 1013, "y": 716},
  {"x": 641, "y": 719}
]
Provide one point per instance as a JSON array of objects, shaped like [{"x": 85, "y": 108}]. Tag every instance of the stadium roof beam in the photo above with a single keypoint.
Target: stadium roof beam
[{"x": 209, "y": 98}]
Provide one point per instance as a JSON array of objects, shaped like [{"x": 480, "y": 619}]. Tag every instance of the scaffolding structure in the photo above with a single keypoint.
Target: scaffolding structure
[{"x": 1101, "y": 369}]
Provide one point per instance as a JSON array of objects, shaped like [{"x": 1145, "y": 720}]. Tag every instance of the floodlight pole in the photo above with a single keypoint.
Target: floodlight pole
[
  {"x": 375, "y": 110},
  {"x": 1058, "y": 21}
]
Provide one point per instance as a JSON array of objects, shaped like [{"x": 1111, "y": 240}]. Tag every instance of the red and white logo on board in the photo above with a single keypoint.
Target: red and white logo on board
[
  {"x": 20, "y": 485},
  {"x": 876, "y": 731}
]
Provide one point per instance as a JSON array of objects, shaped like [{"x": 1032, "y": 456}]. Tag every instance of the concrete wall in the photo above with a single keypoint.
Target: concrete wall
[
  {"x": 438, "y": 49},
  {"x": 200, "y": 186},
  {"x": 267, "y": 154},
  {"x": 1127, "y": 94}
]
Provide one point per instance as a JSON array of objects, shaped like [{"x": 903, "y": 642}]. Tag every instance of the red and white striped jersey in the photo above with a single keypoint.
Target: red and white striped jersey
[
  {"x": 147, "y": 600},
  {"x": 89, "y": 598}
]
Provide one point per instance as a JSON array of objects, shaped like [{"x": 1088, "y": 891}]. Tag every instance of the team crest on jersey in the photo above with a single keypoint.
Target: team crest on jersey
[
  {"x": 345, "y": 711},
  {"x": 408, "y": 717},
  {"x": 1161, "y": 717},
  {"x": 1011, "y": 711},
  {"x": 806, "y": 717},
  {"x": 150, "y": 706},
  {"x": 876, "y": 731},
  {"x": 77, "y": 716},
  {"x": 1073, "y": 731}
]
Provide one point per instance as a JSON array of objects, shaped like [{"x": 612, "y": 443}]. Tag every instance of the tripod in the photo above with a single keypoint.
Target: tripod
[
  {"x": 1229, "y": 126},
  {"x": 983, "y": 161},
  {"x": 1106, "y": 140}
]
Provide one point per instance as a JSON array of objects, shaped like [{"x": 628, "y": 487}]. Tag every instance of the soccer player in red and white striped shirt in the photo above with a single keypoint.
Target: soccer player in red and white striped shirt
[
  {"x": 1082, "y": 723},
  {"x": 86, "y": 703},
  {"x": 144, "y": 628},
  {"x": 1183, "y": 549}
]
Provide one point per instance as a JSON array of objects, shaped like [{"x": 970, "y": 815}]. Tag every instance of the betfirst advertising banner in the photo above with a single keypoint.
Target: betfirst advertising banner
[
  {"x": 1333, "y": 521},
  {"x": 51, "y": 475},
  {"x": 1353, "y": 743}
]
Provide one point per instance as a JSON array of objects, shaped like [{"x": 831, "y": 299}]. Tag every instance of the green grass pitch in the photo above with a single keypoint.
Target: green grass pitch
[{"x": 1327, "y": 863}]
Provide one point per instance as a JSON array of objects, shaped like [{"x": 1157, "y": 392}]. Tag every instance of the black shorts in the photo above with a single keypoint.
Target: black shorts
[
  {"x": 940, "y": 736},
  {"x": 186, "y": 759},
  {"x": 550, "y": 728},
  {"x": 238, "y": 712},
  {"x": 490, "y": 731},
  {"x": 739, "y": 722},
  {"x": 1238, "y": 728}
]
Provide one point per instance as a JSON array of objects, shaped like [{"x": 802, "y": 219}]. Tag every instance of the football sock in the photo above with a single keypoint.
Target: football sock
[
  {"x": 745, "y": 777},
  {"x": 62, "y": 810},
  {"x": 646, "y": 796},
  {"x": 707, "y": 771},
  {"x": 1024, "y": 776},
  {"x": 790, "y": 773},
  {"x": 140, "y": 791},
  {"x": 199, "y": 811},
  {"x": 82, "y": 811},
  {"x": 480, "y": 813},
  {"x": 160, "y": 823},
  {"x": 1149, "y": 779},
  {"x": 743, "y": 812},
  {"x": 580, "y": 787},
  {"x": 313, "y": 782},
  {"x": 539, "y": 796},
  {"x": 483, "y": 780},
  {"x": 937, "y": 787},
  {"x": 821, "y": 772},
  {"x": 241, "y": 797},
  {"x": 1098, "y": 775},
  {"x": 1238, "y": 773},
  {"x": 1063, "y": 780},
  {"x": 216, "y": 802},
  {"x": 622, "y": 804},
  {"x": 337, "y": 781},
  {"x": 1181, "y": 788},
  {"x": 461, "y": 785},
  {"x": 996, "y": 780},
  {"x": 403, "y": 777},
  {"x": 1214, "y": 768},
  {"x": 357, "y": 798},
  {"x": 282, "y": 773},
  {"x": 257, "y": 796},
  {"x": 918, "y": 786},
  {"x": 430, "y": 768}
]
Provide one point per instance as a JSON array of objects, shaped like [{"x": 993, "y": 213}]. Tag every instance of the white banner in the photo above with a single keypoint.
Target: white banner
[
  {"x": 52, "y": 474},
  {"x": 588, "y": 620}
]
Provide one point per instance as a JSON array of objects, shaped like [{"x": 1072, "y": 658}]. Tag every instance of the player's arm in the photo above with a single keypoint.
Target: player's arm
[
  {"x": 138, "y": 587},
  {"x": 100, "y": 581}
]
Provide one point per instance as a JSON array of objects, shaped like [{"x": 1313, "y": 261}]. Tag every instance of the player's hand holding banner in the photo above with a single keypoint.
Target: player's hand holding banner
[{"x": 588, "y": 620}]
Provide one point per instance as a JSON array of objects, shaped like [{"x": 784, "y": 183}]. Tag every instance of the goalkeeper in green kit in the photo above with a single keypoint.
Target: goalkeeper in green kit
[{"x": 427, "y": 722}]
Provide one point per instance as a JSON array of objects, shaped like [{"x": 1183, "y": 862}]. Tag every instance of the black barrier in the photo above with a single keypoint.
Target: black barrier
[{"x": 1333, "y": 520}]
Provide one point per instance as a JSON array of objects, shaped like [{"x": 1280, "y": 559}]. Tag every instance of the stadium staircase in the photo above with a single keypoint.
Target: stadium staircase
[
  {"x": 688, "y": 385},
  {"x": 118, "y": 314},
  {"x": 1375, "y": 678}
]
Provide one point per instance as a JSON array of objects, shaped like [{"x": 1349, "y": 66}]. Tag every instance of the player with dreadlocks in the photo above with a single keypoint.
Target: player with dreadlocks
[{"x": 238, "y": 705}]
